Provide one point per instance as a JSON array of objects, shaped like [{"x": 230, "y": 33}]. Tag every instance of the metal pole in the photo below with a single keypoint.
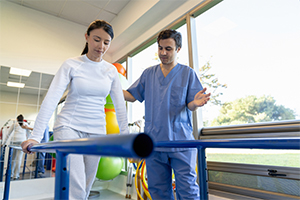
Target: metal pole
[
  {"x": 36, "y": 165},
  {"x": 24, "y": 165},
  {"x": 202, "y": 173},
  {"x": 2, "y": 162},
  {"x": 7, "y": 177},
  {"x": 62, "y": 176}
]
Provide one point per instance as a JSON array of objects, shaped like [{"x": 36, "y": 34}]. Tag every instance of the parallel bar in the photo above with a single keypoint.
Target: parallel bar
[
  {"x": 267, "y": 127},
  {"x": 253, "y": 143},
  {"x": 24, "y": 166},
  {"x": 124, "y": 145},
  {"x": 62, "y": 176},
  {"x": 202, "y": 173},
  {"x": 36, "y": 165},
  {"x": 2, "y": 156},
  {"x": 141, "y": 145},
  {"x": 7, "y": 176}
]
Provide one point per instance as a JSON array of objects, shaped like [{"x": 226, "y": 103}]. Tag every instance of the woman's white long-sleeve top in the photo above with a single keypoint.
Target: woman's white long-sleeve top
[{"x": 89, "y": 84}]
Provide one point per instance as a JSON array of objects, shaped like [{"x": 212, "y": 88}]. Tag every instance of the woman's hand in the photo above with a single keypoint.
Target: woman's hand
[{"x": 28, "y": 143}]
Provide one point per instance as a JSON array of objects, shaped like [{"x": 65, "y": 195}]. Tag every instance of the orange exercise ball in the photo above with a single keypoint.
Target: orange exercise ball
[
  {"x": 112, "y": 126},
  {"x": 120, "y": 68}
]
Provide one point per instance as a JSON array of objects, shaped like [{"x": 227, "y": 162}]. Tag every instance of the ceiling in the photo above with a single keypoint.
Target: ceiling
[
  {"x": 129, "y": 18},
  {"x": 79, "y": 11},
  {"x": 32, "y": 82}
]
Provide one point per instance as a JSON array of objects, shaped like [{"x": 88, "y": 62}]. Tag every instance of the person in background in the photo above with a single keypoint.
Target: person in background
[
  {"x": 89, "y": 79},
  {"x": 41, "y": 155},
  {"x": 18, "y": 133},
  {"x": 171, "y": 92}
]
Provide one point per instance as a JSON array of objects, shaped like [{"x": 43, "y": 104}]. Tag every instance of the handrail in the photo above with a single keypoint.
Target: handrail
[
  {"x": 265, "y": 127},
  {"x": 253, "y": 143},
  {"x": 120, "y": 145},
  {"x": 201, "y": 145},
  {"x": 124, "y": 145}
]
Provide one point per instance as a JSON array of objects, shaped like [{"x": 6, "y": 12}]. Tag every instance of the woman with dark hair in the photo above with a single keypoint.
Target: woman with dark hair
[
  {"x": 20, "y": 130},
  {"x": 89, "y": 79}
]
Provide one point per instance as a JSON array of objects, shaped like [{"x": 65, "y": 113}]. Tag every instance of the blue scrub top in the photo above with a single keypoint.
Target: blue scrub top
[{"x": 167, "y": 117}]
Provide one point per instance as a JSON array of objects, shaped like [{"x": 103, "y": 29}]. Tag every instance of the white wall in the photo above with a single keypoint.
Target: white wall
[
  {"x": 40, "y": 42},
  {"x": 33, "y": 40}
]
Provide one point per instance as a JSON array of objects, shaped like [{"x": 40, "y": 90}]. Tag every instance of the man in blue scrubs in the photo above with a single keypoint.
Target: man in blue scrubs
[{"x": 171, "y": 92}]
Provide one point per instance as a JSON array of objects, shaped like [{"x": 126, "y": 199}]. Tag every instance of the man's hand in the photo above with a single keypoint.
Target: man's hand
[
  {"x": 200, "y": 99},
  {"x": 28, "y": 143}
]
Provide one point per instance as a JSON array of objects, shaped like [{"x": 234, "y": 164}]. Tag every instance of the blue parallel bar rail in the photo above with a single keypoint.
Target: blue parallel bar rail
[
  {"x": 124, "y": 145},
  {"x": 253, "y": 143},
  {"x": 7, "y": 176},
  {"x": 130, "y": 146},
  {"x": 2, "y": 155}
]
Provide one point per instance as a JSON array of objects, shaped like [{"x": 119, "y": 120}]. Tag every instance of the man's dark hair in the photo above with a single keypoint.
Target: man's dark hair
[{"x": 169, "y": 33}]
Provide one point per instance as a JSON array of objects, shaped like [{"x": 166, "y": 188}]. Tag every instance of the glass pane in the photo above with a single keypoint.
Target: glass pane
[
  {"x": 251, "y": 64},
  {"x": 284, "y": 158},
  {"x": 28, "y": 96},
  {"x": 8, "y": 94},
  {"x": 7, "y": 113},
  {"x": 124, "y": 64},
  {"x": 253, "y": 59},
  {"x": 146, "y": 58},
  {"x": 43, "y": 93},
  {"x": 183, "y": 55},
  {"x": 29, "y": 113},
  {"x": 32, "y": 81},
  {"x": 46, "y": 80},
  {"x": 8, "y": 103},
  {"x": 284, "y": 186}
]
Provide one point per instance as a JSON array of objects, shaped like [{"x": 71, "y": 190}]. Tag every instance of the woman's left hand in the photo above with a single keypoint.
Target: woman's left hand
[{"x": 28, "y": 143}]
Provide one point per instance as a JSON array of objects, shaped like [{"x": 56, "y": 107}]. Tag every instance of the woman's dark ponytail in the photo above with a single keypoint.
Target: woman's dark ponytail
[{"x": 85, "y": 50}]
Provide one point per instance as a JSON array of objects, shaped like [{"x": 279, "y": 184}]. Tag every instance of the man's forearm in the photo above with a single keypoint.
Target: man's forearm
[{"x": 128, "y": 96}]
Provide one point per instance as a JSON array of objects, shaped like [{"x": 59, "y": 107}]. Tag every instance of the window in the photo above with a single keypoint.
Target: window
[
  {"x": 249, "y": 49},
  {"x": 252, "y": 48}
]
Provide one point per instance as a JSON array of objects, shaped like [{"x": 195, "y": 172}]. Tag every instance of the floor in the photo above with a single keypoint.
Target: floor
[{"x": 96, "y": 193}]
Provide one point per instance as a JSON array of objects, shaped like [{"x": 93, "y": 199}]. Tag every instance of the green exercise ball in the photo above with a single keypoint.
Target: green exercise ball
[
  {"x": 52, "y": 154},
  {"x": 109, "y": 167}
]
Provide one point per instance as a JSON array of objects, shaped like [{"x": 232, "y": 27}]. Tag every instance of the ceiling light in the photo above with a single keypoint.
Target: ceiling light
[
  {"x": 14, "y": 84},
  {"x": 20, "y": 72}
]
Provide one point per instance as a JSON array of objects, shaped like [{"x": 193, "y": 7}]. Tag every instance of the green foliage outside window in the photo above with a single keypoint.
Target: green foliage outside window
[{"x": 252, "y": 109}]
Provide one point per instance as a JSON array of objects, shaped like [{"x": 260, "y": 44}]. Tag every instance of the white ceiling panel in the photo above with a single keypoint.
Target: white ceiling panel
[
  {"x": 16, "y": 1},
  {"x": 97, "y": 3},
  {"x": 115, "y": 6},
  {"x": 80, "y": 12},
  {"x": 50, "y": 7},
  {"x": 107, "y": 16}
]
